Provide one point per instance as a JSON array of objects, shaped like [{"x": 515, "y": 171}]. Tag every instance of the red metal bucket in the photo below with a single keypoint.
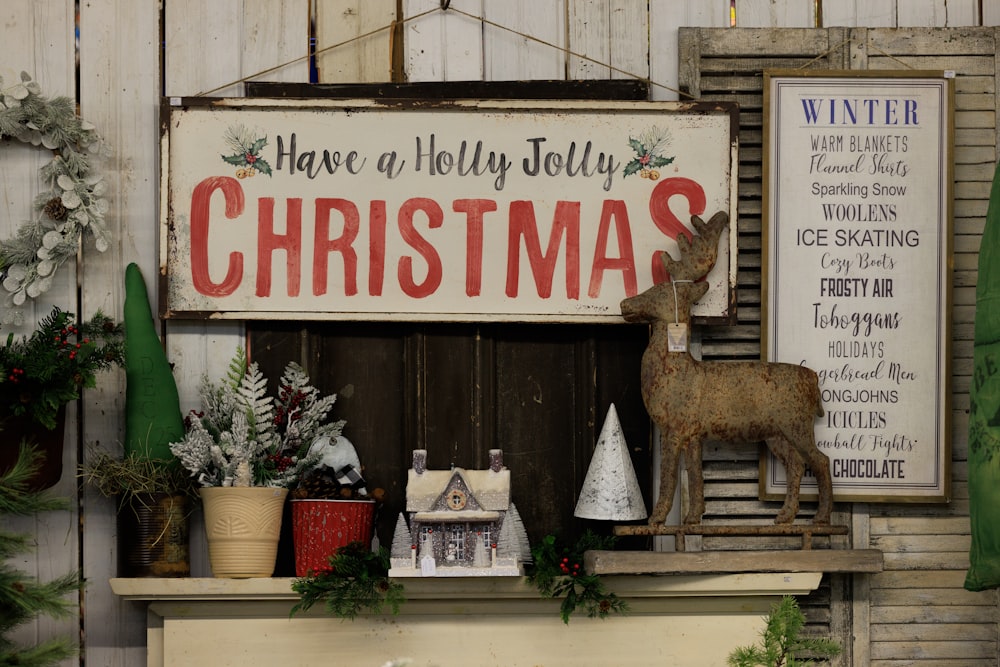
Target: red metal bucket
[{"x": 320, "y": 527}]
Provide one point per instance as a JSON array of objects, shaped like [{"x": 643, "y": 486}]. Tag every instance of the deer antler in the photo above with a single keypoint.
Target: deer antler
[{"x": 698, "y": 255}]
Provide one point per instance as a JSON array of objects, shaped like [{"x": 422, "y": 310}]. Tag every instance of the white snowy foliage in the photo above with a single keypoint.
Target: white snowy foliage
[
  {"x": 244, "y": 437},
  {"x": 402, "y": 539},
  {"x": 520, "y": 533},
  {"x": 42, "y": 244}
]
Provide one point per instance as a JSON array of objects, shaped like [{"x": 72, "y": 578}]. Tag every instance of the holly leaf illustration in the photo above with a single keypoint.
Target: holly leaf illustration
[
  {"x": 262, "y": 166},
  {"x": 257, "y": 145},
  {"x": 637, "y": 146},
  {"x": 239, "y": 159},
  {"x": 660, "y": 161},
  {"x": 632, "y": 167}
]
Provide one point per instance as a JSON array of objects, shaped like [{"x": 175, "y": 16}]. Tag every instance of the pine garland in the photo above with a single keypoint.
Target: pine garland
[
  {"x": 558, "y": 572},
  {"x": 72, "y": 201},
  {"x": 23, "y": 598},
  {"x": 357, "y": 579}
]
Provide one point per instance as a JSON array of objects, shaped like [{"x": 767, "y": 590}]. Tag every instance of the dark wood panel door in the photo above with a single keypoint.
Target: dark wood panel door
[{"x": 539, "y": 392}]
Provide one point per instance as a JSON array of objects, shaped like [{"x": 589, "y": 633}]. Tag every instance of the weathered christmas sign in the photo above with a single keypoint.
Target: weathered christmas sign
[{"x": 362, "y": 209}]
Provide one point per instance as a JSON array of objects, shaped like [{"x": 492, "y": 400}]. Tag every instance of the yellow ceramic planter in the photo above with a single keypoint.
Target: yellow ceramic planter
[{"x": 242, "y": 525}]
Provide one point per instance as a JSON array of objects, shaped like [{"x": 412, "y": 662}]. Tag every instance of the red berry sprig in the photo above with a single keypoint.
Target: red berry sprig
[
  {"x": 288, "y": 408},
  {"x": 281, "y": 462},
  {"x": 192, "y": 417},
  {"x": 569, "y": 568}
]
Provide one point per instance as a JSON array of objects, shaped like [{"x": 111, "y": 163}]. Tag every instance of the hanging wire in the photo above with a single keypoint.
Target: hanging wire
[
  {"x": 851, "y": 40},
  {"x": 392, "y": 26},
  {"x": 446, "y": 6},
  {"x": 562, "y": 49}
]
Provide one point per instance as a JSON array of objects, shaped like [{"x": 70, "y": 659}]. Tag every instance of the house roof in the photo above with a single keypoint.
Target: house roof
[
  {"x": 490, "y": 489},
  {"x": 448, "y": 516}
]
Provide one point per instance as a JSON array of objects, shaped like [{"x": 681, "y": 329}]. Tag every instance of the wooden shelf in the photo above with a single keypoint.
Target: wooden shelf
[
  {"x": 708, "y": 562},
  {"x": 472, "y": 591},
  {"x": 459, "y": 621},
  {"x": 804, "y": 531}
]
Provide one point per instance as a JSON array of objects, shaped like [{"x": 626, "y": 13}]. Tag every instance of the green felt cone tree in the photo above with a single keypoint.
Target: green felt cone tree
[{"x": 153, "y": 416}]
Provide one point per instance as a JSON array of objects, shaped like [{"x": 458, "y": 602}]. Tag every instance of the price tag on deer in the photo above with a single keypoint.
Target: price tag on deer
[{"x": 677, "y": 337}]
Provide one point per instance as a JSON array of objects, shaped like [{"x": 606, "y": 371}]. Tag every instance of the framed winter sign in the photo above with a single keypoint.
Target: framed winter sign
[
  {"x": 857, "y": 242},
  {"x": 465, "y": 210}
]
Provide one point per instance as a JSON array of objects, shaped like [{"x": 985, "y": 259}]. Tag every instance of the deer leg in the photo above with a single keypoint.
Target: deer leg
[
  {"x": 669, "y": 455},
  {"x": 819, "y": 463},
  {"x": 794, "y": 467},
  {"x": 696, "y": 482}
]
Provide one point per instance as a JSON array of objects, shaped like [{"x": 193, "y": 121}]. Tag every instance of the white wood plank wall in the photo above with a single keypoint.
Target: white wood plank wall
[
  {"x": 918, "y": 613},
  {"x": 38, "y": 38}
]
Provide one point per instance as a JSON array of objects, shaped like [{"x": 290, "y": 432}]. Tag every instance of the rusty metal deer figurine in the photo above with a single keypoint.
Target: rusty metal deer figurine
[{"x": 739, "y": 401}]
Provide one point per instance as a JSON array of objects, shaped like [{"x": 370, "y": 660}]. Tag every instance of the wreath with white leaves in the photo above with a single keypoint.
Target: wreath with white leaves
[{"x": 71, "y": 201}]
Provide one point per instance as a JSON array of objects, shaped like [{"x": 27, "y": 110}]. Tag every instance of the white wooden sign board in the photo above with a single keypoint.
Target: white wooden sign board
[
  {"x": 458, "y": 211},
  {"x": 858, "y": 245}
]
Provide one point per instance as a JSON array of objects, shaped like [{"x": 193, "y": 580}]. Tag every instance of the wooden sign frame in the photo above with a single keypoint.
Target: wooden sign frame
[
  {"x": 458, "y": 210},
  {"x": 858, "y": 262}
]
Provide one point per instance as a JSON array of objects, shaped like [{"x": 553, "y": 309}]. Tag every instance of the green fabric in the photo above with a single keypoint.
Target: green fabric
[
  {"x": 152, "y": 406},
  {"x": 984, "y": 417}
]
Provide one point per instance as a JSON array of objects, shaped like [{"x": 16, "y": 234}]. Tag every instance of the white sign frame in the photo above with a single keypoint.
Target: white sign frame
[
  {"x": 380, "y": 151},
  {"x": 858, "y": 262}
]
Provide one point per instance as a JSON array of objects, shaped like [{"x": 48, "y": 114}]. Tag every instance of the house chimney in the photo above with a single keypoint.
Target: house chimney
[
  {"x": 496, "y": 460},
  {"x": 419, "y": 461}
]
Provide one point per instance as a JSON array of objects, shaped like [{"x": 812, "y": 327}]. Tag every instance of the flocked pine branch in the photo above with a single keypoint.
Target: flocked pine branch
[
  {"x": 244, "y": 436},
  {"x": 252, "y": 391},
  {"x": 71, "y": 202},
  {"x": 301, "y": 404}
]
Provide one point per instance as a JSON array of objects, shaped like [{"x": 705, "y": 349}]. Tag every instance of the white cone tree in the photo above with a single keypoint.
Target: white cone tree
[{"x": 611, "y": 490}]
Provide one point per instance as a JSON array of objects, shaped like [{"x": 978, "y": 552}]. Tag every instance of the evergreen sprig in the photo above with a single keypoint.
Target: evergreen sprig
[
  {"x": 357, "y": 579},
  {"x": 22, "y": 597},
  {"x": 558, "y": 572},
  {"x": 45, "y": 370},
  {"x": 14, "y": 482},
  {"x": 782, "y": 641}
]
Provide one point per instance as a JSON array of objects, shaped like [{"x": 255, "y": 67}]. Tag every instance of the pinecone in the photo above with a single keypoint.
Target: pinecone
[
  {"x": 318, "y": 487},
  {"x": 54, "y": 209}
]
